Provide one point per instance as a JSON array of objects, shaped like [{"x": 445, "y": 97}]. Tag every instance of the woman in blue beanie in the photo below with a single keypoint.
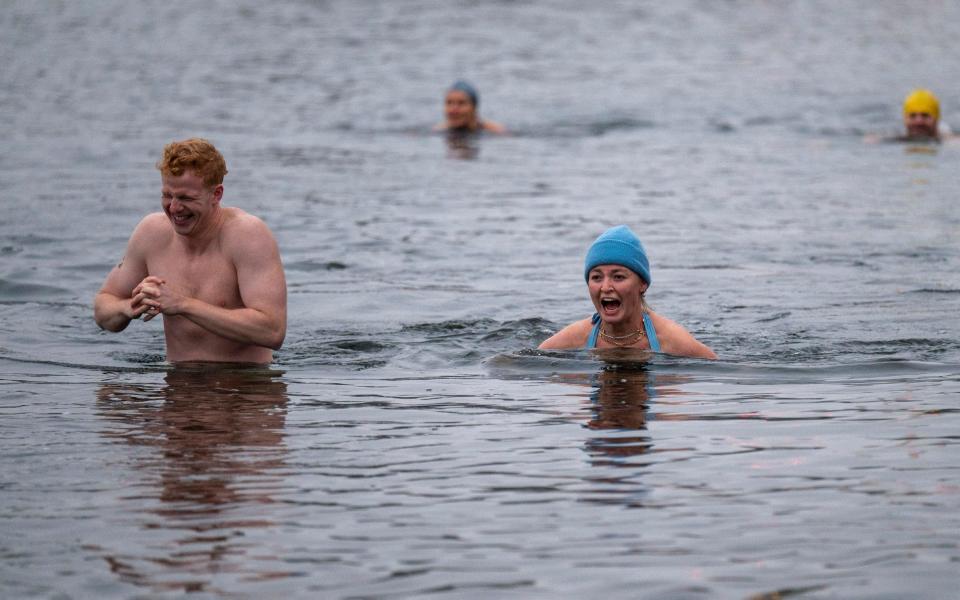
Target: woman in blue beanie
[
  {"x": 460, "y": 111},
  {"x": 618, "y": 275}
]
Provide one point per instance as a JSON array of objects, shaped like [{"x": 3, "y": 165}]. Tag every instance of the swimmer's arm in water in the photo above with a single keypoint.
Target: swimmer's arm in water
[
  {"x": 493, "y": 127},
  {"x": 120, "y": 299},
  {"x": 570, "y": 337}
]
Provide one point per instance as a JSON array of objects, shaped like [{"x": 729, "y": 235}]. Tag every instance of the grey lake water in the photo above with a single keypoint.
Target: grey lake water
[{"x": 409, "y": 441}]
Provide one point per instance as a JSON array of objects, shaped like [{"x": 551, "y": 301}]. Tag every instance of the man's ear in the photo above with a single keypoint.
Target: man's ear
[{"x": 218, "y": 193}]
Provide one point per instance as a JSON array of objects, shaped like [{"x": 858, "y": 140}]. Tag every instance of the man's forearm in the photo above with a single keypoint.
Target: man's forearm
[
  {"x": 244, "y": 325},
  {"x": 109, "y": 312}
]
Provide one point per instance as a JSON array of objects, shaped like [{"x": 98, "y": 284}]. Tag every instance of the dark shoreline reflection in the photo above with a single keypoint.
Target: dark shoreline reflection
[{"x": 218, "y": 432}]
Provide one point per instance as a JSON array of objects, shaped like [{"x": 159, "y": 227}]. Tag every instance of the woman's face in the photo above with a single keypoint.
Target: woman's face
[
  {"x": 459, "y": 109},
  {"x": 616, "y": 291}
]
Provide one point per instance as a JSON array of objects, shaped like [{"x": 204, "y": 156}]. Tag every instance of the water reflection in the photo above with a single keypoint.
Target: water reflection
[
  {"x": 619, "y": 404},
  {"x": 462, "y": 145},
  {"x": 218, "y": 435},
  {"x": 914, "y": 148},
  {"x": 619, "y": 409}
]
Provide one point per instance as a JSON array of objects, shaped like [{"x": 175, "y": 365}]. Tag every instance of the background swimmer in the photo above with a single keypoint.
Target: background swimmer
[
  {"x": 921, "y": 115},
  {"x": 460, "y": 111},
  {"x": 921, "y": 120}
]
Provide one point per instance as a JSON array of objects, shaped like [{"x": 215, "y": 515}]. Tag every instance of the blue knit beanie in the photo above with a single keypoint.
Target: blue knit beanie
[
  {"x": 618, "y": 246},
  {"x": 462, "y": 86}
]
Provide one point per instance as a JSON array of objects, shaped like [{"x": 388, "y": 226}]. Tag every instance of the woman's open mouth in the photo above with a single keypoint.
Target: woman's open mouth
[{"x": 609, "y": 305}]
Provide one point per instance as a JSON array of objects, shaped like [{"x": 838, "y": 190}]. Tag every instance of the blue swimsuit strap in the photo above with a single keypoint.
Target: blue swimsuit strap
[
  {"x": 592, "y": 340},
  {"x": 647, "y": 326},
  {"x": 651, "y": 333}
]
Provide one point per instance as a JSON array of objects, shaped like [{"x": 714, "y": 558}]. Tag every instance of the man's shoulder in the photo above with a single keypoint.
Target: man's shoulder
[
  {"x": 238, "y": 224},
  {"x": 155, "y": 220},
  {"x": 243, "y": 232},
  {"x": 153, "y": 228}
]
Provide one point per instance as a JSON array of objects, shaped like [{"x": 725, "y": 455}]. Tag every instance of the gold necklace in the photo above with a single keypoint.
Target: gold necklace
[{"x": 615, "y": 339}]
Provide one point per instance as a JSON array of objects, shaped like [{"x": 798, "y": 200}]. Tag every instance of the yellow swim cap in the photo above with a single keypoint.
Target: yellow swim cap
[{"x": 922, "y": 101}]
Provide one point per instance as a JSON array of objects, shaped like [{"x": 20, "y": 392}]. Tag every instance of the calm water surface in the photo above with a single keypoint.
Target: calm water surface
[{"x": 408, "y": 441}]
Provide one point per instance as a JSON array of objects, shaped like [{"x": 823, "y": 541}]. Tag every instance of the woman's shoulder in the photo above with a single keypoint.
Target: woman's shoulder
[
  {"x": 572, "y": 336},
  {"x": 661, "y": 322},
  {"x": 675, "y": 339},
  {"x": 492, "y": 126}
]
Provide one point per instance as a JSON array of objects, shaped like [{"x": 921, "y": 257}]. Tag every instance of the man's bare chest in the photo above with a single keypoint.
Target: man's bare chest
[{"x": 210, "y": 277}]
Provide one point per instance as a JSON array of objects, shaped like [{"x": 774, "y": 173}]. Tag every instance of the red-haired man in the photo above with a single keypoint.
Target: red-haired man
[{"x": 213, "y": 272}]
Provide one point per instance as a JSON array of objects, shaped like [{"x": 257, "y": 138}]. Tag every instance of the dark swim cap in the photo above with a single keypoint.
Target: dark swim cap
[{"x": 462, "y": 86}]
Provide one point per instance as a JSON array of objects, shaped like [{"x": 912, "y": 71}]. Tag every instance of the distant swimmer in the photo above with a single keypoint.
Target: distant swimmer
[
  {"x": 921, "y": 120},
  {"x": 618, "y": 274},
  {"x": 921, "y": 115},
  {"x": 213, "y": 272},
  {"x": 460, "y": 110}
]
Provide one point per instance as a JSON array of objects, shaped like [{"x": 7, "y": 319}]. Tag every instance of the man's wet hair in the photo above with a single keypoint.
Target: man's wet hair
[{"x": 194, "y": 154}]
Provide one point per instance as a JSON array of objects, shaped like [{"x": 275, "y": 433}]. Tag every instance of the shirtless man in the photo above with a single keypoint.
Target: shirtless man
[{"x": 213, "y": 272}]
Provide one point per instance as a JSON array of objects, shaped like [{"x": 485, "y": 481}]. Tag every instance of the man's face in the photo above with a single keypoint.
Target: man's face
[
  {"x": 187, "y": 201},
  {"x": 920, "y": 124}
]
